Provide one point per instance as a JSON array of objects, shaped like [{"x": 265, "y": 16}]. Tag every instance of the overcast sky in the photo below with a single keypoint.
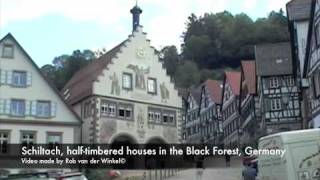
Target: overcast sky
[{"x": 49, "y": 28}]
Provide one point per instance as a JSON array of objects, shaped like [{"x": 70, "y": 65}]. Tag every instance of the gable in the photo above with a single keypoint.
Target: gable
[
  {"x": 37, "y": 89},
  {"x": 135, "y": 73}
]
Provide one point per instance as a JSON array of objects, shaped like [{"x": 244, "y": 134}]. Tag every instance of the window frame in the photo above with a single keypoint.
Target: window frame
[
  {"x": 37, "y": 109},
  {"x": 273, "y": 82},
  {"x": 11, "y": 56},
  {"x": 24, "y": 108},
  {"x": 154, "y": 86},
  {"x": 125, "y": 107},
  {"x": 20, "y": 77},
  {"x": 8, "y": 132},
  {"x": 131, "y": 81},
  {"x": 49, "y": 133},
  {"x": 30, "y": 132},
  {"x": 274, "y": 102},
  {"x": 109, "y": 105}
]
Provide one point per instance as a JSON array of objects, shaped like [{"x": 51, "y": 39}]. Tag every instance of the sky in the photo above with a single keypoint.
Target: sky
[{"x": 50, "y": 28}]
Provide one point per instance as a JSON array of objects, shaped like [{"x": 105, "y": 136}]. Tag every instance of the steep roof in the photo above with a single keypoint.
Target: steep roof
[
  {"x": 249, "y": 73},
  {"x": 273, "y": 59},
  {"x": 80, "y": 85},
  {"x": 299, "y": 9},
  {"x": 50, "y": 84},
  {"x": 215, "y": 90},
  {"x": 196, "y": 94},
  {"x": 234, "y": 79}
]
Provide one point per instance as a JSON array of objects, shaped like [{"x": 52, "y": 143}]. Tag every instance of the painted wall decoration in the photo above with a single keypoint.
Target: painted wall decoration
[
  {"x": 107, "y": 129},
  {"x": 141, "y": 124},
  {"x": 115, "y": 88},
  {"x": 165, "y": 94},
  {"x": 170, "y": 134},
  {"x": 140, "y": 73}
]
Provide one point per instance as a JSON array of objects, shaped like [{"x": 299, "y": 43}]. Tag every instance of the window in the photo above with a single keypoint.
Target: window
[
  {"x": 108, "y": 108},
  {"x": 275, "y": 104},
  {"x": 7, "y": 51},
  {"x": 28, "y": 138},
  {"x": 54, "y": 138},
  {"x": 290, "y": 81},
  {"x": 125, "y": 111},
  {"x": 19, "y": 78},
  {"x": 127, "y": 81},
  {"x": 273, "y": 82},
  {"x": 4, "y": 141},
  {"x": 154, "y": 115},
  {"x": 168, "y": 117},
  {"x": 165, "y": 118},
  {"x": 152, "y": 86},
  {"x": 17, "y": 107},
  {"x": 43, "y": 108}
]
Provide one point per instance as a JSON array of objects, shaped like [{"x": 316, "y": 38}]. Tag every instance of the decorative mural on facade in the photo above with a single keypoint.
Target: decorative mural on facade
[
  {"x": 108, "y": 128},
  {"x": 141, "y": 124},
  {"x": 165, "y": 94},
  {"x": 140, "y": 73},
  {"x": 170, "y": 134},
  {"x": 115, "y": 88}
]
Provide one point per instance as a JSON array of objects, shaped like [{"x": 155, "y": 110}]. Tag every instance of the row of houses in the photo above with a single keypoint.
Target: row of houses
[
  {"x": 262, "y": 98},
  {"x": 277, "y": 91}
]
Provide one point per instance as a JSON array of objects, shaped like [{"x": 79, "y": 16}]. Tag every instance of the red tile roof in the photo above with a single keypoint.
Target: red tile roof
[
  {"x": 215, "y": 89},
  {"x": 233, "y": 78},
  {"x": 80, "y": 85},
  {"x": 249, "y": 73}
]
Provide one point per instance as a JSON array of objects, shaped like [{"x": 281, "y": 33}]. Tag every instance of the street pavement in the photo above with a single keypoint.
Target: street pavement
[{"x": 218, "y": 171}]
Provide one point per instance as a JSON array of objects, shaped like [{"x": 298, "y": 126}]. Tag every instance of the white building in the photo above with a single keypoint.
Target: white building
[
  {"x": 126, "y": 95},
  {"x": 31, "y": 109}
]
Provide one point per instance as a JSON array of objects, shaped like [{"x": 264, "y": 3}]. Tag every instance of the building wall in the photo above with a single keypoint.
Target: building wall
[
  {"x": 69, "y": 134},
  {"x": 231, "y": 117},
  {"x": 193, "y": 121},
  {"x": 139, "y": 59},
  {"x": 288, "y": 115},
  {"x": 301, "y": 35},
  {"x": 37, "y": 89}
]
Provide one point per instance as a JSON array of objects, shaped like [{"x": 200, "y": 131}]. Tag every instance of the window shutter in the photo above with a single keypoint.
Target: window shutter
[
  {"x": 53, "y": 109},
  {"x": 29, "y": 78},
  {"x": 2, "y": 105},
  {"x": 34, "y": 108},
  {"x": 9, "y": 77},
  {"x": 3, "y": 77},
  {"x": 7, "y": 106},
  {"x": 27, "y": 108}
]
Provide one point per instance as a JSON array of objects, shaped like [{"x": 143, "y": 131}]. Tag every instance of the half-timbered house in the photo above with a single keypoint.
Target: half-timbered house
[
  {"x": 192, "y": 124},
  {"x": 312, "y": 66},
  {"x": 230, "y": 109},
  {"x": 277, "y": 88},
  {"x": 210, "y": 112},
  {"x": 298, "y": 14},
  {"x": 249, "y": 103}
]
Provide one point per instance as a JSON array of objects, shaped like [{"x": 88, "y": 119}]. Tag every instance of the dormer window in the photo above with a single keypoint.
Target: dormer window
[{"x": 7, "y": 51}]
